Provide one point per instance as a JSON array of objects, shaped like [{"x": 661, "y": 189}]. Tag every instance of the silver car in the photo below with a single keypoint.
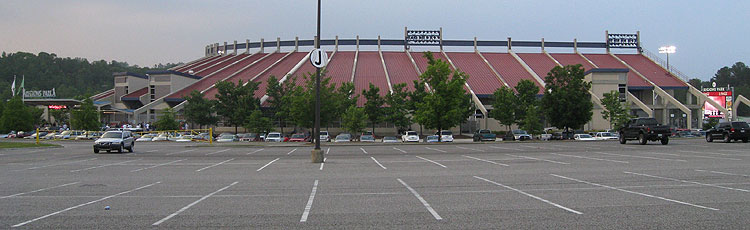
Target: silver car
[{"x": 115, "y": 140}]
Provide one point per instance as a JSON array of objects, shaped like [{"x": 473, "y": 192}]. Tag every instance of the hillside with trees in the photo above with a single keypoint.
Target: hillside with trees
[{"x": 69, "y": 76}]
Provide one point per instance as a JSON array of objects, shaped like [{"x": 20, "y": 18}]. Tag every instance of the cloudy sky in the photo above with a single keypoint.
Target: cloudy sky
[{"x": 708, "y": 34}]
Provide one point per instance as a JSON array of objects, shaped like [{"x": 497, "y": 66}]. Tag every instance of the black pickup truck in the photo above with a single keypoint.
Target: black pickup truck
[{"x": 643, "y": 130}]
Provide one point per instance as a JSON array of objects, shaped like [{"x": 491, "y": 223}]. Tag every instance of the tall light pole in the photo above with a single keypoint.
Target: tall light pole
[
  {"x": 667, "y": 50},
  {"x": 317, "y": 154}
]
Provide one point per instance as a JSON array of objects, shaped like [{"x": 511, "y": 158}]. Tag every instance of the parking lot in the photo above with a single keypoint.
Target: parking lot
[{"x": 688, "y": 184}]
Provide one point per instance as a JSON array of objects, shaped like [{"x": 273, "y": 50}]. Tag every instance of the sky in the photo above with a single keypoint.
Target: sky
[{"x": 708, "y": 34}]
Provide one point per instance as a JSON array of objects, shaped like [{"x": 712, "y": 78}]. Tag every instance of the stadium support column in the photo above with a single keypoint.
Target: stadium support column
[
  {"x": 475, "y": 45},
  {"x": 336, "y": 44},
  {"x": 606, "y": 39},
  {"x": 406, "y": 46},
  {"x": 247, "y": 46},
  {"x": 510, "y": 46},
  {"x": 542, "y": 45},
  {"x": 278, "y": 44},
  {"x": 441, "y": 39},
  {"x": 225, "y": 48},
  {"x": 261, "y": 45},
  {"x": 235, "y": 47},
  {"x": 638, "y": 41},
  {"x": 296, "y": 44},
  {"x": 575, "y": 45}
]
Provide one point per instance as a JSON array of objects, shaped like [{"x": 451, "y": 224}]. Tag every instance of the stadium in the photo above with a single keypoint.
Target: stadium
[{"x": 617, "y": 63}]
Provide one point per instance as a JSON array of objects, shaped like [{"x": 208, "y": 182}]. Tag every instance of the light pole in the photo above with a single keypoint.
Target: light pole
[
  {"x": 667, "y": 50},
  {"x": 317, "y": 154}
]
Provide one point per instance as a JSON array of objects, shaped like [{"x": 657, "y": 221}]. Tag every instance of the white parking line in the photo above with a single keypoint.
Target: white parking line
[
  {"x": 399, "y": 150},
  {"x": 154, "y": 166},
  {"x": 308, "y": 207},
  {"x": 685, "y": 181},
  {"x": 736, "y": 151},
  {"x": 424, "y": 202},
  {"x": 478, "y": 150},
  {"x": 324, "y": 162},
  {"x": 442, "y": 151},
  {"x": 488, "y": 161},
  {"x": 363, "y": 150},
  {"x": 590, "y": 158},
  {"x": 220, "y": 151},
  {"x": 186, "y": 151},
  {"x": 151, "y": 151},
  {"x": 532, "y": 196},
  {"x": 514, "y": 149},
  {"x": 214, "y": 165},
  {"x": 327, "y": 150},
  {"x": 707, "y": 157},
  {"x": 38, "y": 190},
  {"x": 194, "y": 203},
  {"x": 712, "y": 153},
  {"x": 290, "y": 152},
  {"x": 724, "y": 173},
  {"x": 44, "y": 166},
  {"x": 269, "y": 163},
  {"x": 84, "y": 204},
  {"x": 431, "y": 161},
  {"x": 100, "y": 166},
  {"x": 376, "y": 161},
  {"x": 637, "y": 193},
  {"x": 643, "y": 157},
  {"x": 254, "y": 151},
  {"x": 539, "y": 159}
]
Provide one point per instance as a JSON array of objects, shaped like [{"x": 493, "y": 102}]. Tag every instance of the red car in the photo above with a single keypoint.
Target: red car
[{"x": 298, "y": 137}]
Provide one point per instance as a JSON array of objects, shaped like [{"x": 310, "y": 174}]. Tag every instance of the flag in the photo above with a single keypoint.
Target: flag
[
  {"x": 23, "y": 89},
  {"x": 13, "y": 87}
]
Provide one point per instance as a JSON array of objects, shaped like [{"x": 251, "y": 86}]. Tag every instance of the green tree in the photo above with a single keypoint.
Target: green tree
[
  {"x": 257, "y": 123},
  {"x": 166, "y": 120},
  {"x": 373, "y": 106},
  {"x": 566, "y": 102},
  {"x": 16, "y": 116},
  {"x": 447, "y": 104},
  {"x": 504, "y": 106},
  {"x": 526, "y": 97},
  {"x": 710, "y": 123},
  {"x": 332, "y": 101},
  {"x": 354, "y": 119},
  {"x": 86, "y": 117},
  {"x": 199, "y": 110},
  {"x": 614, "y": 111},
  {"x": 35, "y": 115},
  {"x": 416, "y": 97},
  {"x": 397, "y": 112},
  {"x": 279, "y": 97},
  {"x": 532, "y": 123},
  {"x": 60, "y": 115},
  {"x": 236, "y": 102}
]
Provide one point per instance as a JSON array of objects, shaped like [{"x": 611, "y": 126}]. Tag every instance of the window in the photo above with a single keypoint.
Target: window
[
  {"x": 126, "y": 89},
  {"x": 622, "y": 88},
  {"x": 152, "y": 92}
]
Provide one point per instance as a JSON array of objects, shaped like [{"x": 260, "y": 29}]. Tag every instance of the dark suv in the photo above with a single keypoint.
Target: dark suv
[{"x": 728, "y": 131}]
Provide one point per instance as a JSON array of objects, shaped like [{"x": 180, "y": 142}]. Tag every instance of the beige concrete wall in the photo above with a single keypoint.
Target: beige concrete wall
[
  {"x": 179, "y": 82},
  {"x": 136, "y": 83},
  {"x": 602, "y": 83}
]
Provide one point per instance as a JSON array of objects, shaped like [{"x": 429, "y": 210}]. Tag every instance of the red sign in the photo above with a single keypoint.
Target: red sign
[
  {"x": 720, "y": 93},
  {"x": 723, "y": 98},
  {"x": 57, "y": 107}
]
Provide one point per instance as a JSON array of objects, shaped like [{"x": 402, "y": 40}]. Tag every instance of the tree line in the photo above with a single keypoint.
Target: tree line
[{"x": 737, "y": 76}]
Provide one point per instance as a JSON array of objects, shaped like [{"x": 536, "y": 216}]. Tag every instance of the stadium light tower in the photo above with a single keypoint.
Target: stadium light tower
[{"x": 667, "y": 50}]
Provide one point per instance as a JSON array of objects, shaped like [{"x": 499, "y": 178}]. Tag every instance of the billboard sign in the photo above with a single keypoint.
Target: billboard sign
[{"x": 722, "y": 96}]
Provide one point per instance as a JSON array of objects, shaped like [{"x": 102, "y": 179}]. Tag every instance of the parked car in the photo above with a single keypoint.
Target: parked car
[
  {"x": 161, "y": 137},
  {"x": 367, "y": 138},
  {"x": 728, "y": 131},
  {"x": 643, "y": 130},
  {"x": 299, "y": 137},
  {"x": 484, "y": 135},
  {"x": 519, "y": 135},
  {"x": 343, "y": 137},
  {"x": 62, "y": 134},
  {"x": 146, "y": 137},
  {"x": 274, "y": 137},
  {"x": 49, "y": 136},
  {"x": 227, "y": 138},
  {"x": 202, "y": 137},
  {"x": 243, "y": 137},
  {"x": 431, "y": 138},
  {"x": 324, "y": 136},
  {"x": 34, "y": 135},
  {"x": 185, "y": 138},
  {"x": 9, "y": 135},
  {"x": 390, "y": 139},
  {"x": 604, "y": 136},
  {"x": 583, "y": 137},
  {"x": 410, "y": 136},
  {"x": 115, "y": 140},
  {"x": 445, "y": 136}
]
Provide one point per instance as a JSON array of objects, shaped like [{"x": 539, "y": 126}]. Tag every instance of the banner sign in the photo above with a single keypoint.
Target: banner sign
[
  {"x": 422, "y": 37},
  {"x": 57, "y": 107},
  {"x": 39, "y": 93},
  {"x": 716, "y": 89},
  {"x": 622, "y": 40},
  {"x": 723, "y": 98}
]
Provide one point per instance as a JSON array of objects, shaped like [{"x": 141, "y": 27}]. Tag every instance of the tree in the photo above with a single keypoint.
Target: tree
[
  {"x": 332, "y": 101},
  {"x": 447, "y": 104},
  {"x": 373, "y": 106},
  {"x": 86, "y": 117},
  {"x": 531, "y": 121},
  {"x": 416, "y": 97},
  {"x": 504, "y": 106},
  {"x": 353, "y": 119},
  {"x": 614, "y": 111},
  {"x": 279, "y": 97},
  {"x": 236, "y": 102},
  {"x": 16, "y": 116},
  {"x": 60, "y": 115},
  {"x": 566, "y": 102},
  {"x": 257, "y": 123},
  {"x": 199, "y": 110},
  {"x": 526, "y": 97},
  {"x": 397, "y": 112},
  {"x": 166, "y": 120}
]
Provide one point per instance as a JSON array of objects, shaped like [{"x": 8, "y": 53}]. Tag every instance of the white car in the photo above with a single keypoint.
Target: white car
[
  {"x": 343, "y": 137},
  {"x": 185, "y": 138},
  {"x": 274, "y": 137},
  {"x": 583, "y": 137},
  {"x": 603, "y": 136},
  {"x": 391, "y": 139},
  {"x": 521, "y": 135},
  {"x": 161, "y": 137},
  {"x": 410, "y": 136},
  {"x": 227, "y": 138},
  {"x": 88, "y": 135},
  {"x": 446, "y": 136},
  {"x": 324, "y": 136},
  {"x": 146, "y": 137}
]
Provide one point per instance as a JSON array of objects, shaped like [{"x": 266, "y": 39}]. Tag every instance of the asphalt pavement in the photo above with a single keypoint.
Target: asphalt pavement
[{"x": 688, "y": 184}]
